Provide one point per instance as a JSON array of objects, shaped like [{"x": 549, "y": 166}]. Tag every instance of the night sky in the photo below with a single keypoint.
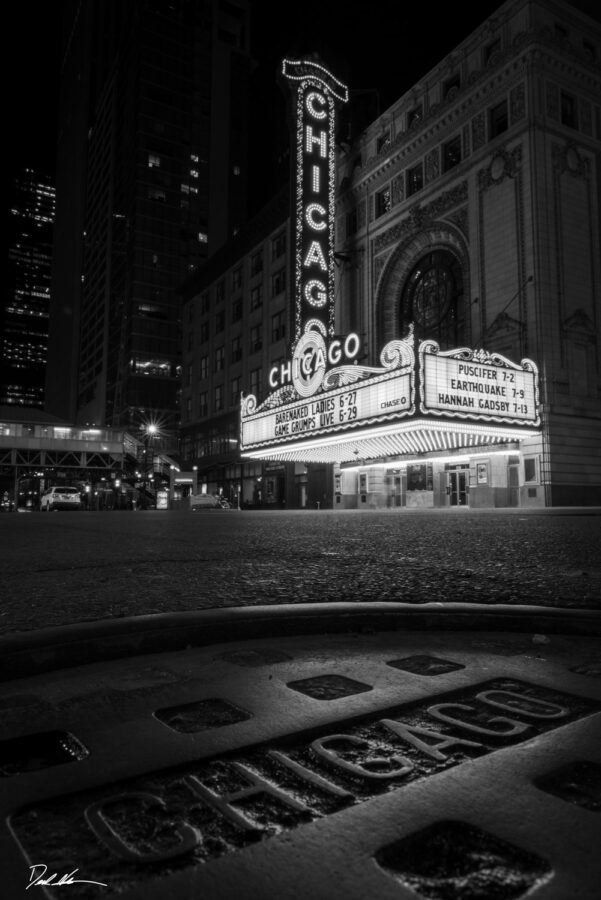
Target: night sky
[{"x": 387, "y": 52}]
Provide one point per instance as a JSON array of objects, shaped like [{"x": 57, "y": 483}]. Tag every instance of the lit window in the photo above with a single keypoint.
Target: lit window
[
  {"x": 156, "y": 194},
  {"x": 236, "y": 170},
  {"x": 415, "y": 179},
  {"x": 194, "y": 173},
  {"x": 154, "y": 161},
  {"x": 415, "y": 115},
  {"x": 382, "y": 202},
  {"x": 193, "y": 157},
  {"x": 451, "y": 154},
  {"x": 202, "y": 237}
]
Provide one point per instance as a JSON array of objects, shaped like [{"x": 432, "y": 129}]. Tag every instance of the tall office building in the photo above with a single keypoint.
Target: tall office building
[
  {"x": 151, "y": 179},
  {"x": 24, "y": 311}
]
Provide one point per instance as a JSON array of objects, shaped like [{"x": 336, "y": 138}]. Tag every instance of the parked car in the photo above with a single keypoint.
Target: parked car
[
  {"x": 207, "y": 501},
  {"x": 65, "y": 497}
]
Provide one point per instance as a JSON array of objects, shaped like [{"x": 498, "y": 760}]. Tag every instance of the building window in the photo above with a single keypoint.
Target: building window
[
  {"x": 204, "y": 367},
  {"x": 157, "y": 194},
  {"x": 278, "y": 245},
  {"x": 204, "y": 332},
  {"x": 188, "y": 375},
  {"x": 205, "y": 302},
  {"x": 237, "y": 278},
  {"x": 237, "y": 310},
  {"x": 451, "y": 154},
  {"x": 415, "y": 179},
  {"x": 220, "y": 291},
  {"x": 256, "y": 297},
  {"x": 568, "y": 110},
  {"x": 530, "y": 469},
  {"x": 256, "y": 382},
  {"x": 590, "y": 50},
  {"x": 203, "y": 237},
  {"x": 154, "y": 161},
  {"x": 382, "y": 202},
  {"x": 383, "y": 141},
  {"x": 278, "y": 326},
  {"x": 491, "y": 50},
  {"x": 451, "y": 86},
  {"x": 218, "y": 398},
  {"x": 256, "y": 263},
  {"x": 236, "y": 349},
  {"x": 256, "y": 339},
  {"x": 498, "y": 119},
  {"x": 220, "y": 321},
  {"x": 561, "y": 32},
  {"x": 351, "y": 222},
  {"x": 432, "y": 299},
  {"x": 236, "y": 390},
  {"x": 278, "y": 282},
  {"x": 203, "y": 404},
  {"x": 219, "y": 358},
  {"x": 415, "y": 115}
]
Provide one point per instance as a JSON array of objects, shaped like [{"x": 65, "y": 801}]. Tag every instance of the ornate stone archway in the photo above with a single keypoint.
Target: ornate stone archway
[{"x": 437, "y": 236}]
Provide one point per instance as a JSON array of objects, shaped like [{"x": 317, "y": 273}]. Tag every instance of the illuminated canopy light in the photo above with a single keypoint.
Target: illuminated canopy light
[{"x": 401, "y": 439}]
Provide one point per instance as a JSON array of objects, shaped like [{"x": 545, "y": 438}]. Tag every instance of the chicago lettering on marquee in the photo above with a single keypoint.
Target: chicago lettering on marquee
[{"x": 317, "y": 94}]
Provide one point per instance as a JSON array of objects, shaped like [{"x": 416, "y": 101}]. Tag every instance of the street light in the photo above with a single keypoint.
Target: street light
[{"x": 149, "y": 433}]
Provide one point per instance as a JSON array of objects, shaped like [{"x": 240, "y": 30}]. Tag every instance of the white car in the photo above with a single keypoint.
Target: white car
[{"x": 60, "y": 498}]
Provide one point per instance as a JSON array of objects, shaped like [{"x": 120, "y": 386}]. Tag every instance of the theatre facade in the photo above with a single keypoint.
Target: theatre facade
[{"x": 443, "y": 300}]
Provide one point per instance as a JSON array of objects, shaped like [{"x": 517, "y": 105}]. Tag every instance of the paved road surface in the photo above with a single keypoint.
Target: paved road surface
[{"x": 68, "y": 567}]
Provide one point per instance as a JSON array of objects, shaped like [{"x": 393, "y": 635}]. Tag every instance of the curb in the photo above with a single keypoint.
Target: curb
[{"x": 28, "y": 654}]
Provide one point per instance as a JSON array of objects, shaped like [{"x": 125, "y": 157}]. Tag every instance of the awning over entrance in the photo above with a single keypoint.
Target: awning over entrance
[{"x": 414, "y": 437}]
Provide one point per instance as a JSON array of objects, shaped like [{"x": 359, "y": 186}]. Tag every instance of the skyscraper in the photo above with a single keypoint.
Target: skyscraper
[
  {"x": 151, "y": 179},
  {"x": 24, "y": 311}
]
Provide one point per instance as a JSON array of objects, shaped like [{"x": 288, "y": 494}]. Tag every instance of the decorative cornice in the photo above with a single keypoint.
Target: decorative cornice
[{"x": 421, "y": 216}]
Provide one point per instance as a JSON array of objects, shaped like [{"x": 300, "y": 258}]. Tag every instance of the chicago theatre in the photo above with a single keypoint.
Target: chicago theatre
[{"x": 438, "y": 334}]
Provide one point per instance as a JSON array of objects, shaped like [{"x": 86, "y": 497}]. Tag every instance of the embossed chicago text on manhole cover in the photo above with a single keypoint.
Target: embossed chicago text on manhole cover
[
  {"x": 129, "y": 833},
  {"x": 329, "y": 687},
  {"x": 425, "y": 665},
  {"x": 457, "y": 861},
  {"x": 578, "y": 782},
  {"x": 39, "y": 751},
  {"x": 203, "y": 714}
]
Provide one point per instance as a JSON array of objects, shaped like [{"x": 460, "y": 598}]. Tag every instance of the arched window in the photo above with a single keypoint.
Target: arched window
[{"x": 432, "y": 299}]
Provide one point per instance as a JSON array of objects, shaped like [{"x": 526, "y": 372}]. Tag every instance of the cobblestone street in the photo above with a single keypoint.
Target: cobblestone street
[{"x": 76, "y": 567}]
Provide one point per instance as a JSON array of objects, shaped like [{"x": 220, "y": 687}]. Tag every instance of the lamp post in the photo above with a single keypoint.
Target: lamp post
[{"x": 149, "y": 433}]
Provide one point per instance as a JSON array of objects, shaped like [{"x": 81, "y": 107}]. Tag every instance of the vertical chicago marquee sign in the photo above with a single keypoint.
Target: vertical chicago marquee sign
[{"x": 317, "y": 95}]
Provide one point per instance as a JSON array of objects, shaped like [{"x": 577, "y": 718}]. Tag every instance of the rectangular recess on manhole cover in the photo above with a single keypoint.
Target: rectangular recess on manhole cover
[
  {"x": 39, "y": 751},
  {"x": 329, "y": 687},
  {"x": 200, "y": 715},
  {"x": 209, "y": 807},
  {"x": 425, "y": 665},
  {"x": 577, "y": 782},
  {"x": 455, "y": 860}
]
